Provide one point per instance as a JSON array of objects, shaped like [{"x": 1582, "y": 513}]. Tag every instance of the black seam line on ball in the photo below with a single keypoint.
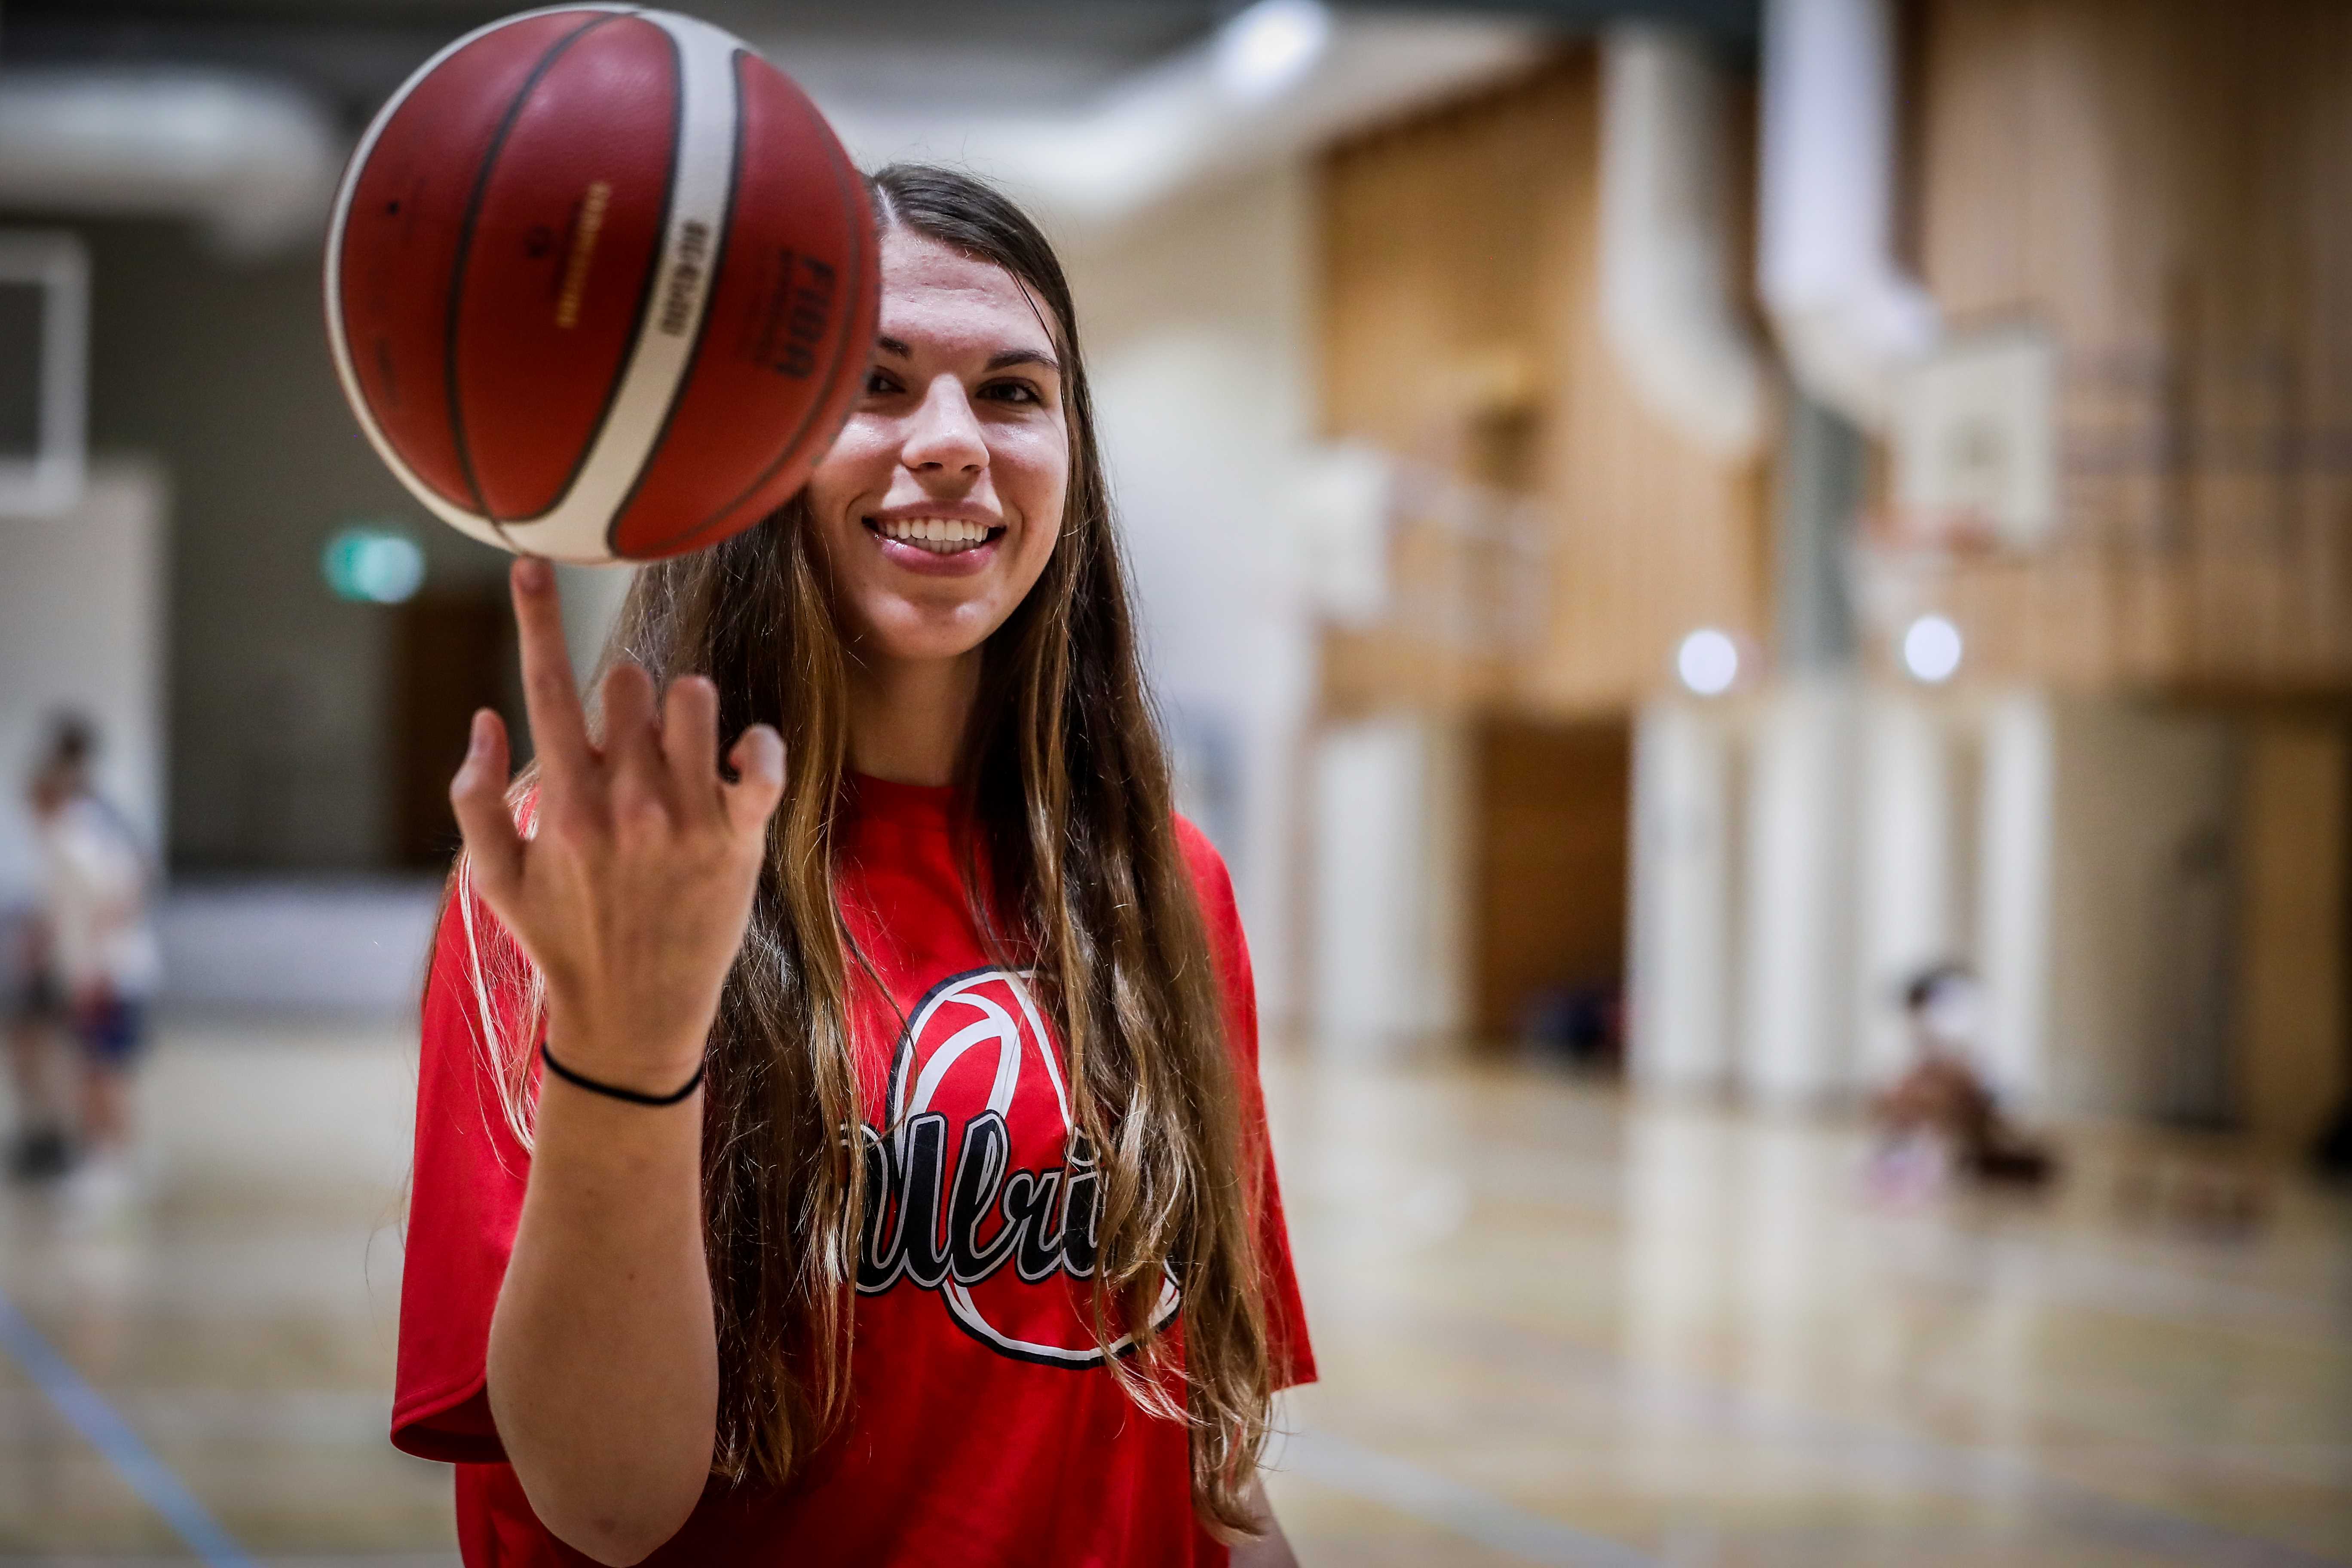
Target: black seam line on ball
[
  {"x": 613, "y": 1091},
  {"x": 713, "y": 267},
  {"x": 465, "y": 252}
]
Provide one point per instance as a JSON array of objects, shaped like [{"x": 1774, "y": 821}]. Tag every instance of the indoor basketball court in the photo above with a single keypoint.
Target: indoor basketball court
[
  {"x": 1752, "y": 592},
  {"x": 1551, "y": 1330}
]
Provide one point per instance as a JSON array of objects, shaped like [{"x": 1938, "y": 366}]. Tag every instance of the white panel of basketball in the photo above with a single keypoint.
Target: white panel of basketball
[{"x": 701, "y": 178}]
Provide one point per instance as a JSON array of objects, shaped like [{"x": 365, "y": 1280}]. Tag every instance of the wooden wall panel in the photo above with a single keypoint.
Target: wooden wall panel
[
  {"x": 2292, "y": 1070},
  {"x": 1461, "y": 328},
  {"x": 2167, "y": 184},
  {"x": 1550, "y": 808}
]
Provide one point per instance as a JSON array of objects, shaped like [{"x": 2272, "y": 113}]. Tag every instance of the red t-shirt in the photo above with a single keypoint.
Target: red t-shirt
[{"x": 984, "y": 1428}]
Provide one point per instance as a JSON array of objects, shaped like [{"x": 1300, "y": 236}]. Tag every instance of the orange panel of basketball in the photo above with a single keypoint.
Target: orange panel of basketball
[{"x": 600, "y": 284}]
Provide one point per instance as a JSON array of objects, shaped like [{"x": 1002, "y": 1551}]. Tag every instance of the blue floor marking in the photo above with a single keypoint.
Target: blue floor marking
[{"x": 103, "y": 1427}]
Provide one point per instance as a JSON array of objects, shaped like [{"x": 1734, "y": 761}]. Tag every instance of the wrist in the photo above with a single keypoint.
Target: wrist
[
  {"x": 654, "y": 1100},
  {"x": 640, "y": 1060}
]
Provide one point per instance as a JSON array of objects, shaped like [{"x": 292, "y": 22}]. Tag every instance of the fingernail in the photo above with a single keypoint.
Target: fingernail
[
  {"x": 532, "y": 575},
  {"x": 478, "y": 734},
  {"x": 767, "y": 752}
]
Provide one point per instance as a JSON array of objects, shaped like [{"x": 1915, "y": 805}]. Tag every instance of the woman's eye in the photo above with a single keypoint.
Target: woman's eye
[
  {"x": 879, "y": 383},
  {"x": 1016, "y": 391}
]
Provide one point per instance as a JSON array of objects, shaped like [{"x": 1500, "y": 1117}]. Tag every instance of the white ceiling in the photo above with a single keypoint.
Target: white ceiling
[{"x": 1119, "y": 106}]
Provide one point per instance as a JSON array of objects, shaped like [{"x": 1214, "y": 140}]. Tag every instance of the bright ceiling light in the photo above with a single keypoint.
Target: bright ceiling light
[
  {"x": 1267, "y": 48},
  {"x": 1931, "y": 649},
  {"x": 1708, "y": 661}
]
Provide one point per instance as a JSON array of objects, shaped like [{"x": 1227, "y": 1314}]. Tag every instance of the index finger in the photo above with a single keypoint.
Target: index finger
[{"x": 558, "y": 729}]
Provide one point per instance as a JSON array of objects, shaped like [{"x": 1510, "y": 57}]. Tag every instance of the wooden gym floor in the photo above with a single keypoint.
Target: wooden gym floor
[{"x": 1553, "y": 1330}]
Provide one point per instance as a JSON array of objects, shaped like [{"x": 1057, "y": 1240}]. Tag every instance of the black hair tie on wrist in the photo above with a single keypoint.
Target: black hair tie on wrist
[{"x": 615, "y": 1091}]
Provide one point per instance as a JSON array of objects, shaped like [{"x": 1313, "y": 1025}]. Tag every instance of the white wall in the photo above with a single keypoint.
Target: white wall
[
  {"x": 1391, "y": 820},
  {"x": 1909, "y": 867},
  {"x": 1798, "y": 971},
  {"x": 591, "y": 597},
  {"x": 81, "y": 627},
  {"x": 1681, "y": 969},
  {"x": 2014, "y": 879},
  {"x": 1197, "y": 329},
  {"x": 308, "y": 946}
]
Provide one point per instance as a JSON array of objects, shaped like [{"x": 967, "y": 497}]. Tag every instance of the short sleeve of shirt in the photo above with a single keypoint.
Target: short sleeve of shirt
[
  {"x": 465, "y": 1192},
  {"x": 1286, "y": 1316}
]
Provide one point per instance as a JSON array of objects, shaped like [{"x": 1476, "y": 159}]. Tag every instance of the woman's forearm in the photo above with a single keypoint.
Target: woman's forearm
[
  {"x": 604, "y": 1369},
  {"x": 630, "y": 893}
]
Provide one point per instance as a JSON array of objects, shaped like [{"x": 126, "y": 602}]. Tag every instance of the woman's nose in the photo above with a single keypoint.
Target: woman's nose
[{"x": 945, "y": 435}]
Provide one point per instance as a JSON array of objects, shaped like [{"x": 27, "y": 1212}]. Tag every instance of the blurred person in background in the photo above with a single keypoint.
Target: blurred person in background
[
  {"x": 100, "y": 948},
  {"x": 1940, "y": 1120}
]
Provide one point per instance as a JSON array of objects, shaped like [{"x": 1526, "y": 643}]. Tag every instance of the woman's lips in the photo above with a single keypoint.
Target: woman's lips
[{"x": 956, "y": 555}]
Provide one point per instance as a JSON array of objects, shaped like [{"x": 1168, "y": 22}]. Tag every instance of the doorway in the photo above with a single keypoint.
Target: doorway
[
  {"x": 1549, "y": 805},
  {"x": 452, "y": 652}
]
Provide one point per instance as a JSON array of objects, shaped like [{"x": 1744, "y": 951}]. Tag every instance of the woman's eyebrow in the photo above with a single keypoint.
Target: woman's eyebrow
[
  {"x": 1011, "y": 357},
  {"x": 1005, "y": 361}
]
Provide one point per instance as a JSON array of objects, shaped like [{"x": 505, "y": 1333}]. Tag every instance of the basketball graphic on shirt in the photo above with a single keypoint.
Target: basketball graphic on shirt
[{"x": 977, "y": 1188}]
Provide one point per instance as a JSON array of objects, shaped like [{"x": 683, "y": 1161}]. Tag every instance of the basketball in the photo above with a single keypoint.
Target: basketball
[{"x": 600, "y": 284}]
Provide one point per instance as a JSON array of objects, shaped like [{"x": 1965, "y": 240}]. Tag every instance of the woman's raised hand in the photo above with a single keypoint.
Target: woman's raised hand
[{"x": 633, "y": 892}]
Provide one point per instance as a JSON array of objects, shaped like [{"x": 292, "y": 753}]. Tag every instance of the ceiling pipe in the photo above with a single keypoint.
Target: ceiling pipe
[
  {"x": 253, "y": 161},
  {"x": 1230, "y": 104},
  {"x": 1666, "y": 305},
  {"x": 1846, "y": 314}
]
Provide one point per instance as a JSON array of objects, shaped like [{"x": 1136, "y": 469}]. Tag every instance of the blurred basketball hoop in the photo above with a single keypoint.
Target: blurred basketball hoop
[
  {"x": 1407, "y": 548},
  {"x": 44, "y": 351},
  {"x": 1975, "y": 444},
  {"x": 1431, "y": 588}
]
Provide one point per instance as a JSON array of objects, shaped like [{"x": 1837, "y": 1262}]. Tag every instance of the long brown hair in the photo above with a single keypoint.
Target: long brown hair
[{"x": 1066, "y": 781}]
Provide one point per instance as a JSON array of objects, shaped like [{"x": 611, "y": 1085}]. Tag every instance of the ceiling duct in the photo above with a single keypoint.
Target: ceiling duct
[
  {"x": 1847, "y": 315},
  {"x": 251, "y": 159},
  {"x": 1282, "y": 77},
  {"x": 1666, "y": 305}
]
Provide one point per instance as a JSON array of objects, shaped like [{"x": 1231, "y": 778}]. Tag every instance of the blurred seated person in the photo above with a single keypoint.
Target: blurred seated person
[{"x": 1940, "y": 1119}]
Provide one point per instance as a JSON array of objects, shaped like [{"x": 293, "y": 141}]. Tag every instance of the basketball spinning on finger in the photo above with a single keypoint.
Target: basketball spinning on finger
[{"x": 600, "y": 284}]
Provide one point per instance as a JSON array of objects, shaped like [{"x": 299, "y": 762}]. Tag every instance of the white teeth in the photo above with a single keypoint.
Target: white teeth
[{"x": 940, "y": 535}]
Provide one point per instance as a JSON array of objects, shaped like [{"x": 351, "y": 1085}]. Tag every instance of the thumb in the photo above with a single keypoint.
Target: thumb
[
  {"x": 758, "y": 759},
  {"x": 479, "y": 797}
]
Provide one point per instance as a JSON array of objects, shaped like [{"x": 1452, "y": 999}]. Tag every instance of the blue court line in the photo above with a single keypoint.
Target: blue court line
[{"x": 103, "y": 1427}]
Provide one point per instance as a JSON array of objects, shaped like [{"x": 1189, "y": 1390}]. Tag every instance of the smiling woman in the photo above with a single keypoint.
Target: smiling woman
[{"x": 897, "y": 1187}]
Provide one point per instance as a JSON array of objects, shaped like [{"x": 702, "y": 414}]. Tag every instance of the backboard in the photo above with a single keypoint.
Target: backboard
[{"x": 1975, "y": 441}]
